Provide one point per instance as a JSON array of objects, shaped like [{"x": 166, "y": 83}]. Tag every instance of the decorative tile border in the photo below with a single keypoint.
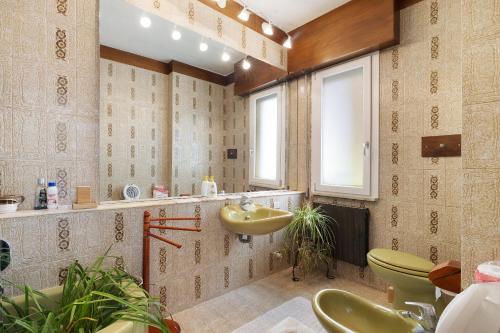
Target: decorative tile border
[
  {"x": 394, "y": 216},
  {"x": 163, "y": 260},
  {"x": 434, "y": 222},
  {"x": 63, "y": 232},
  {"x": 119, "y": 227},
  {"x": 197, "y": 287}
]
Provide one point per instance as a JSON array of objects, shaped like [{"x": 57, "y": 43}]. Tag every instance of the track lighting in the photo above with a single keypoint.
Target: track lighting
[
  {"x": 145, "y": 22},
  {"x": 288, "y": 42},
  {"x": 225, "y": 56},
  {"x": 246, "y": 64},
  {"x": 176, "y": 34},
  {"x": 267, "y": 28},
  {"x": 203, "y": 46},
  {"x": 244, "y": 15}
]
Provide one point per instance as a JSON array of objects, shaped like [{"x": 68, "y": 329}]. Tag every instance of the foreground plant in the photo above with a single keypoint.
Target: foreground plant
[
  {"x": 309, "y": 237},
  {"x": 92, "y": 299}
]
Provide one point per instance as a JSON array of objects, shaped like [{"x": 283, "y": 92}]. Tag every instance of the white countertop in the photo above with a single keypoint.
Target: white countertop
[{"x": 123, "y": 204}]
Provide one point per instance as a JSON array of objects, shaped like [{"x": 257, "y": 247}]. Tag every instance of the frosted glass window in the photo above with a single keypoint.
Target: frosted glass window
[
  {"x": 266, "y": 138},
  {"x": 342, "y": 134},
  {"x": 345, "y": 125}
]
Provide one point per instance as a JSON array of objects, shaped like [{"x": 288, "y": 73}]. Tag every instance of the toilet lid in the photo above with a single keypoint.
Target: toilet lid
[{"x": 405, "y": 261}]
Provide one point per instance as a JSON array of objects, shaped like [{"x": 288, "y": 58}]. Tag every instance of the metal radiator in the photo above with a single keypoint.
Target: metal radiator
[{"x": 351, "y": 232}]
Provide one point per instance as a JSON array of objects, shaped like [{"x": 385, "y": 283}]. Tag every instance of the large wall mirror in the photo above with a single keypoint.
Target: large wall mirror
[{"x": 168, "y": 113}]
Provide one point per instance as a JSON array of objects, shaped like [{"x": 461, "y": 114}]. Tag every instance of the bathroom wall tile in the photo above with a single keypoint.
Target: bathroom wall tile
[
  {"x": 6, "y": 80},
  {"x": 481, "y": 203},
  {"x": 29, "y": 84},
  {"x": 481, "y": 66},
  {"x": 29, "y": 138},
  {"x": 482, "y": 136},
  {"x": 6, "y": 132}
]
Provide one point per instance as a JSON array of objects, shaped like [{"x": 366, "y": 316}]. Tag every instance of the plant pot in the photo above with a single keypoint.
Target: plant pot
[{"x": 172, "y": 325}]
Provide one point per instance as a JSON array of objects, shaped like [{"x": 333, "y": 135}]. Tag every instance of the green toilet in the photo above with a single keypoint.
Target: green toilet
[{"x": 408, "y": 275}]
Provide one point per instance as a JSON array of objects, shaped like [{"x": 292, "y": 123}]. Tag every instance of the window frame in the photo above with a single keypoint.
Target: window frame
[
  {"x": 279, "y": 183},
  {"x": 370, "y": 189}
]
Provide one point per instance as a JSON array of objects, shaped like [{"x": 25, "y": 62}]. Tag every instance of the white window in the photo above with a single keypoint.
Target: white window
[
  {"x": 345, "y": 129},
  {"x": 267, "y": 137}
]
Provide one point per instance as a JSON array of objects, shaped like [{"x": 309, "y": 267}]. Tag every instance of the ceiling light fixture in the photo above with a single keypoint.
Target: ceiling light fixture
[
  {"x": 145, "y": 22},
  {"x": 267, "y": 28},
  {"x": 221, "y": 3},
  {"x": 288, "y": 42},
  {"x": 176, "y": 34},
  {"x": 244, "y": 15},
  {"x": 203, "y": 46},
  {"x": 225, "y": 56},
  {"x": 246, "y": 64}
]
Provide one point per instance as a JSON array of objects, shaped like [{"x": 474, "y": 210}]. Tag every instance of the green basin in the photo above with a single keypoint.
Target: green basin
[
  {"x": 54, "y": 295},
  {"x": 261, "y": 221},
  {"x": 342, "y": 312}
]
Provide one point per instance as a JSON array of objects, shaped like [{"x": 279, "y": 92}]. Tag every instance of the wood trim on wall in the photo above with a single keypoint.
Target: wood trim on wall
[
  {"x": 255, "y": 22},
  {"x": 134, "y": 60},
  {"x": 407, "y": 3},
  {"x": 353, "y": 29},
  {"x": 202, "y": 74},
  {"x": 260, "y": 76},
  {"x": 162, "y": 67}
]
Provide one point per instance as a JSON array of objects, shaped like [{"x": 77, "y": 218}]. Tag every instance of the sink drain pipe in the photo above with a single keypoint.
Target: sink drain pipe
[{"x": 245, "y": 238}]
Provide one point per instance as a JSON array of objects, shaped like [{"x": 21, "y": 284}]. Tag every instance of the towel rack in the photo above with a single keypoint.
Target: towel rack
[{"x": 146, "y": 248}]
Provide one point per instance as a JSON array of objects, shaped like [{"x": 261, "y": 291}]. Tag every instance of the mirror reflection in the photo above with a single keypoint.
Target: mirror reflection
[{"x": 168, "y": 112}]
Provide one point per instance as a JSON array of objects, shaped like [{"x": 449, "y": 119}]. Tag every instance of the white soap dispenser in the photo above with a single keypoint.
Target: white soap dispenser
[
  {"x": 212, "y": 189},
  {"x": 205, "y": 184}
]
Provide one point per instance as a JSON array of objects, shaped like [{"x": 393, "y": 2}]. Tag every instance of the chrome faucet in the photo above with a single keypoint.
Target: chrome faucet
[
  {"x": 428, "y": 318},
  {"x": 245, "y": 203}
]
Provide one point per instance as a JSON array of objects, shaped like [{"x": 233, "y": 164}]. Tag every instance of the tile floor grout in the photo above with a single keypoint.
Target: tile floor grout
[{"x": 229, "y": 311}]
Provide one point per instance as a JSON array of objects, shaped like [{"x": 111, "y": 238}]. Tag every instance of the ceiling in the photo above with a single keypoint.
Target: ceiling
[
  {"x": 291, "y": 14},
  {"x": 119, "y": 28}
]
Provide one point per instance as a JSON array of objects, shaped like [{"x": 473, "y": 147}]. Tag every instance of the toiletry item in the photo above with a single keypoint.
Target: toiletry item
[
  {"x": 41, "y": 194},
  {"x": 205, "y": 184},
  {"x": 52, "y": 196},
  {"x": 9, "y": 203},
  {"x": 212, "y": 189},
  {"x": 160, "y": 192}
]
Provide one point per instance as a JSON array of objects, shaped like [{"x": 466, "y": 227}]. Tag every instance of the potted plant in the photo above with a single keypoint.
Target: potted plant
[
  {"x": 309, "y": 238},
  {"x": 92, "y": 299}
]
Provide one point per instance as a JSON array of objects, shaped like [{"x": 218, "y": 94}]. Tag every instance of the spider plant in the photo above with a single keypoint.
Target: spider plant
[
  {"x": 309, "y": 238},
  {"x": 92, "y": 298}
]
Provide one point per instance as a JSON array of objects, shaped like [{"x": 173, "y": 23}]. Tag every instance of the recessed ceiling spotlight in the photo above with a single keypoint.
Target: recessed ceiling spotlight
[
  {"x": 203, "y": 46},
  {"x": 145, "y": 22},
  {"x": 288, "y": 42},
  {"x": 244, "y": 15},
  {"x": 267, "y": 28},
  {"x": 225, "y": 56},
  {"x": 246, "y": 64},
  {"x": 221, "y": 3},
  {"x": 176, "y": 34}
]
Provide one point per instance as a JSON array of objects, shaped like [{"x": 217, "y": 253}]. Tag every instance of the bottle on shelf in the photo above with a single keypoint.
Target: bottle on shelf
[
  {"x": 41, "y": 194},
  {"x": 52, "y": 196}
]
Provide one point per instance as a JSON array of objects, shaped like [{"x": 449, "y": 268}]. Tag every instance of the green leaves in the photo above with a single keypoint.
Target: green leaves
[
  {"x": 92, "y": 298},
  {"x": 310, "y": 236}
]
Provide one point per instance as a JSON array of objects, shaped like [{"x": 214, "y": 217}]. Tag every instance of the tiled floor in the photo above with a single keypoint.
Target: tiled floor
[{"x": 230, "y": 311}]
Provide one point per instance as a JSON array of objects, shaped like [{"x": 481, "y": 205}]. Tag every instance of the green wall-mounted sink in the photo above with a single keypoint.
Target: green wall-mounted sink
[
  {"x": 342, "y": 312},
  {"x": 261, "y": 221}
]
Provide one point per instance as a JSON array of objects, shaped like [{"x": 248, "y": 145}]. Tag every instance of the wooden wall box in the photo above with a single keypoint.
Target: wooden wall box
[{"x": 442, "y": 146}]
